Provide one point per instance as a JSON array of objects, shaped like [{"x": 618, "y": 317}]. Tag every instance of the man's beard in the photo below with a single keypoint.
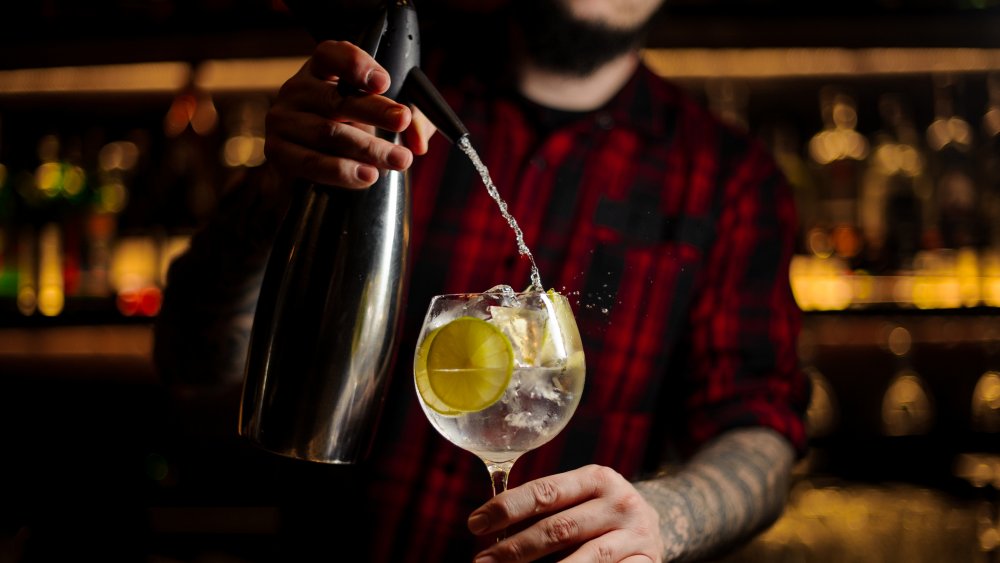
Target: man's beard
[{"x": 556, "y": 40}]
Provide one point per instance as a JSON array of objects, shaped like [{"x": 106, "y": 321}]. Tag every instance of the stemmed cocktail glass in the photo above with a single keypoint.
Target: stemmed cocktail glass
[{"x": 499, "y": 373}]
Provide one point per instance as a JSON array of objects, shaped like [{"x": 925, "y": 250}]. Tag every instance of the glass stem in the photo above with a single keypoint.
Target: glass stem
[{"x": 498, "y": 476}]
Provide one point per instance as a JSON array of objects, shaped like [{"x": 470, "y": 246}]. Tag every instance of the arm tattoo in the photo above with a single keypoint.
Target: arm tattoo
[{"x": 732, "y": 488}]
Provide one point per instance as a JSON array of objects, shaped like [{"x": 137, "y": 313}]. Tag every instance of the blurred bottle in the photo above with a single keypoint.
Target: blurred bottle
[
  {"x": 117, "y": 162},
  {"x": 990, "y": 163},
  {"x": 27, "y": 286},
  {"x": 51, "y": 280},
  {"x": 244, "y": 145},
  {"x": 894, "y": 192},
  {"x": 8, "y": 240},
  {"x": 840, "y": 152},
  {"x": 956, "y": 197},
  {"x": 55, "y": 203},
  {"x": 184, "y": 189},
  {"x": 77, "y": 193}
]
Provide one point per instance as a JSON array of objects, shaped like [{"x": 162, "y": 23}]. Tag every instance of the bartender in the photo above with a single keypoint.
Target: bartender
[{"x": 675, "y": 231}]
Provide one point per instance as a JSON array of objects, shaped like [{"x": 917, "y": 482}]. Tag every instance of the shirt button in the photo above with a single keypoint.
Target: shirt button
[{"x": 604, "y": 120}]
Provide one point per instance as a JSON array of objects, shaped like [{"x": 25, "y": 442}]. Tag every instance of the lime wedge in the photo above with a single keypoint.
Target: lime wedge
[
  {"x": 464, "y": 366},
  {"x": 561, "y": 339}
]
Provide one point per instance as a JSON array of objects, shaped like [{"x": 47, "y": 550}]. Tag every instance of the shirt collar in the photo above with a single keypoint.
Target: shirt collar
[{"x": 644, "y": 104}]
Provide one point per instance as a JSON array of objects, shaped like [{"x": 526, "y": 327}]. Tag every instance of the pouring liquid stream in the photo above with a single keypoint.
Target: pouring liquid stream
[{"x": 484, "y": 173}]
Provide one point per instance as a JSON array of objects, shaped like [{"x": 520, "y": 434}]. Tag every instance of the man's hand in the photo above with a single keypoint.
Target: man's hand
[
  {"x": 315, "y": 133},
  {"x": 592, "y": 514}
]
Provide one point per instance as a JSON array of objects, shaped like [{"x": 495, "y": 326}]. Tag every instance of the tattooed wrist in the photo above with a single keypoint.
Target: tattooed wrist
[{"x": 729, "y": 490}]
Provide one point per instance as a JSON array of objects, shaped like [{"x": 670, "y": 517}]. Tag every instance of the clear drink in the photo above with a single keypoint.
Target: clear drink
[
  {"x": 534, "y": 408},
  {"x": 499, "y": 373}
]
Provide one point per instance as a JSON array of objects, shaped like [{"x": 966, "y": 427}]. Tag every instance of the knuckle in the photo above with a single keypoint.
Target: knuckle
[
  {"x": 357, "y": 60},
  {"x": 511, "y": 550},
  {"x": 604, "y": 554},
  {"x": 560, "y": 529},
  {"x": 375, "y": 149},
  {"x": 544, "y": 492},
  {"x": 380, "y": 151},
  {"x": 504, "y": 509},
  {"x": 627, "y": 503},
  {"x": 328, "y": 49},
  {"x": 602, "y": 476},
  {"x": 327, "y": 45},
  {"x": 334, "y": 128}
]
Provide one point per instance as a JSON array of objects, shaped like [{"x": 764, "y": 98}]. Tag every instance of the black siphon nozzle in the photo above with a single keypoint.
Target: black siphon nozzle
[{"x": 419, "y": 90}]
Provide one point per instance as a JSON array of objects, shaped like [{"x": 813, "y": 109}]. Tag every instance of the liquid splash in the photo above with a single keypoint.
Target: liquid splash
[{"x": 484, "y": 173}]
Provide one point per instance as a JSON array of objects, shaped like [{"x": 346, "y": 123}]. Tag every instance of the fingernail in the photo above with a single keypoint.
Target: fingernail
[
  {"x": 485, "y": 559},
  {"x": 399, "y": 157},
  {"x": 366, "y": 174},
  {"x": 377, "y": 80},
  {"x": 479, "y": 523}
]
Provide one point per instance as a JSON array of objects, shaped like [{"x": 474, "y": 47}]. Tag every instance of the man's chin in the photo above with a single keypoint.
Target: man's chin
[{"x": 557, "y": 41}]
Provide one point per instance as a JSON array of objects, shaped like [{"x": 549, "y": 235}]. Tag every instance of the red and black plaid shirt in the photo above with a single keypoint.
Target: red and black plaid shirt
[{"x": 673, "y": 235}]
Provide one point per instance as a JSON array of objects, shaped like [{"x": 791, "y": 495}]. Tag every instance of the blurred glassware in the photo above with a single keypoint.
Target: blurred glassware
[
  {"x": 907, "y": 407},
  {"x": 986, "y": 403}
]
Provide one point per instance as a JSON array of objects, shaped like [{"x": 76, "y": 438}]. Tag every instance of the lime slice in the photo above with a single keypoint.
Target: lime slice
[
  {"x": 464, "y": 366},
  {"x": 423, "y": 382}
]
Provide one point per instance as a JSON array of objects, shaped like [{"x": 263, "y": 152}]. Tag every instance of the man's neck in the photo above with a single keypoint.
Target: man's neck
[{"x": 576, "y": 93}]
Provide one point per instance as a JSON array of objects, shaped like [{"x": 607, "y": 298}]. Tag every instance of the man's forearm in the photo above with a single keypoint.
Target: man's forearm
[{"x": 732, "y": 488}]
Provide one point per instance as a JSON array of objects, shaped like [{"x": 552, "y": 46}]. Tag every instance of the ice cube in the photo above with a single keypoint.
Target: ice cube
[
  {"x": 444, "y": 313},
  {"x": 478, "y": 305},
  {"x": 524, "y": 328},
  {"x": 525, "y": 420},
  {"x": 545, "y": 389},
  {"x": 501, "y": 288},
  {"x": 505, "y": 294}
]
